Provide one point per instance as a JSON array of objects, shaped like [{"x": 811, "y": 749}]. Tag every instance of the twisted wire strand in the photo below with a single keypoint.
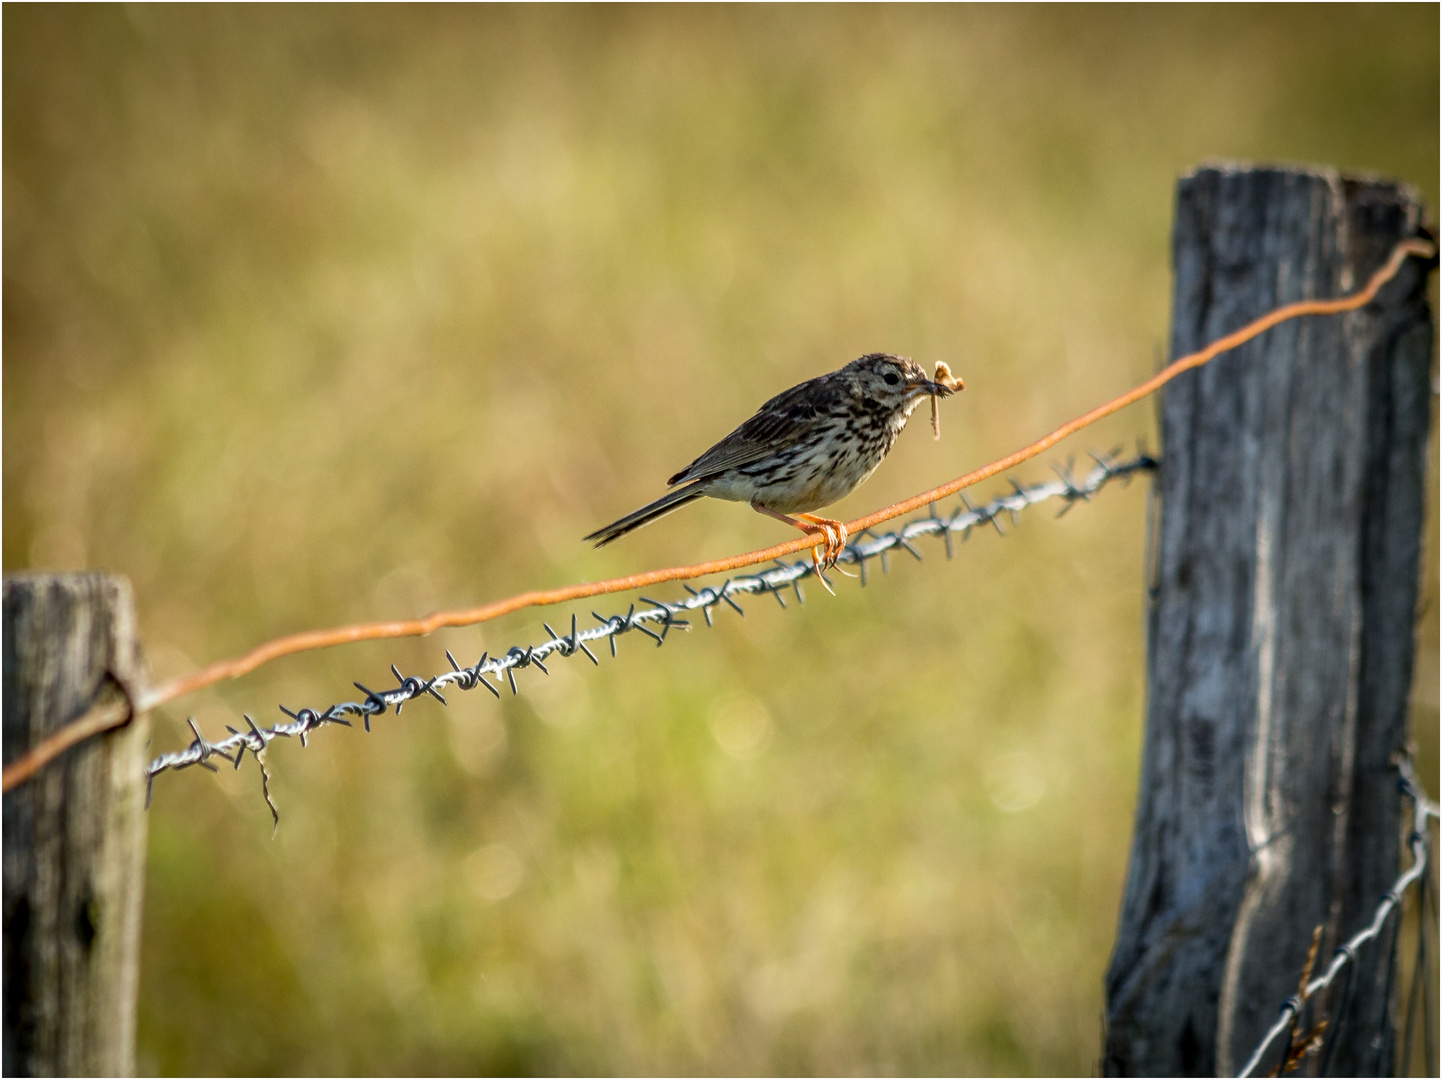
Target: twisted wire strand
[
  {"x": 655, "y": 621},
  {"x": 1345, "y": 957}
]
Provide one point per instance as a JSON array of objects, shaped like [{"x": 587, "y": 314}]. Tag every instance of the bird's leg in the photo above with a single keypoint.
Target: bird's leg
[{"x": 811, "y": 526}]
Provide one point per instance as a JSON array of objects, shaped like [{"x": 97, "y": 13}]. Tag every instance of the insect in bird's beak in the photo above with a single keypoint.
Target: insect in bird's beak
[{"x": 944, "y": 385}]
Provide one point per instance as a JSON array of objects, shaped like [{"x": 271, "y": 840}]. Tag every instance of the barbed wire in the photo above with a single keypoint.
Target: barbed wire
[
  {"x": 655, "y": 621},
  {"x": 1345, "y": 956}
]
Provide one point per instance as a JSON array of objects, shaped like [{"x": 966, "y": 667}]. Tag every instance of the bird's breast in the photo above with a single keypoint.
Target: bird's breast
[
  {"x": 818, "y": 466},
  {"x": 831, "y": 468}
]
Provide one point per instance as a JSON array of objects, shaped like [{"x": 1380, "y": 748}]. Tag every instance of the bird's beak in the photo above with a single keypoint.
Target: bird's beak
[{"x": 934, "y": 389}]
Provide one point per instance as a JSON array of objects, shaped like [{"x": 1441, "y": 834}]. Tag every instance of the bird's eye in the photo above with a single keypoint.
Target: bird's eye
[{"x": 891, "y": 379}]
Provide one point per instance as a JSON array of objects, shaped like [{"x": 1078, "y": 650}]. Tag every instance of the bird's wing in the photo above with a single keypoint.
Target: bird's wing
[{"x": 780, "y": 422}]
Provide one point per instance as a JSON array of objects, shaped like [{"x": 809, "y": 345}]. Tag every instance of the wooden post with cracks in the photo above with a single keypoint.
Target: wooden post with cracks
[
  {"x": 74, "y": 834},
  {"x": 1280, "y": 625}
]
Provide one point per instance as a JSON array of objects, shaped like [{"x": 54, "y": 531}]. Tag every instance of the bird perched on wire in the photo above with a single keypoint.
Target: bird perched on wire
[{"x": 806, "y": 448}]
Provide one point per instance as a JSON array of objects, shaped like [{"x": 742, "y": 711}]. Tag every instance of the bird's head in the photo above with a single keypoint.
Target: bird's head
[{"x": 895, "y": 381}]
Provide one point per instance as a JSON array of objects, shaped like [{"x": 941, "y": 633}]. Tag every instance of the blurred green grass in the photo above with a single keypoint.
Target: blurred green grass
[{"x": 322, "y": 314}]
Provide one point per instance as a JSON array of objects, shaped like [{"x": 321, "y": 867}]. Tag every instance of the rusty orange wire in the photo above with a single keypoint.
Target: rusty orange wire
[{"x": 27, "y": 765}]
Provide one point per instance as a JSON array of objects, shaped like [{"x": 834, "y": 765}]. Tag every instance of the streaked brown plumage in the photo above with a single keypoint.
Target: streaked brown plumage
[{"x": 804, "y": 449}]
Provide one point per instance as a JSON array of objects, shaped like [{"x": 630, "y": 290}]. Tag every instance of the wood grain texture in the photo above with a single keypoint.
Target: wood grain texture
[
  {"x": 1280, "y": 621},
  {"x": 74, "y": 835}
]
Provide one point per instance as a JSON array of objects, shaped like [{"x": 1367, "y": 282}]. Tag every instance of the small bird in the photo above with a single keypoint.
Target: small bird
[{"x": 805, "y": 448}]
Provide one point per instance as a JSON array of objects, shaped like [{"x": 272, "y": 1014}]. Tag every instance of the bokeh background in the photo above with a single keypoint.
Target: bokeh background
[{"x": 315, "y": 315}]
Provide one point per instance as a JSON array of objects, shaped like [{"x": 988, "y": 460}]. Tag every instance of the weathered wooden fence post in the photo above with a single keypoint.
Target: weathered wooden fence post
[
  {"x": 1280, "y": 623},
  {"x": 74, "y": 834}
]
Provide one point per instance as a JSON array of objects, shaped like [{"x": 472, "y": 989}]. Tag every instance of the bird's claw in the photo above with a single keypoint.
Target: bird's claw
[{"x": 825, "y": 556}]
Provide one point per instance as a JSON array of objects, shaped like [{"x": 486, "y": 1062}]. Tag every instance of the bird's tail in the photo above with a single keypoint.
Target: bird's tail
[{"x": 647, "y": 514}]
